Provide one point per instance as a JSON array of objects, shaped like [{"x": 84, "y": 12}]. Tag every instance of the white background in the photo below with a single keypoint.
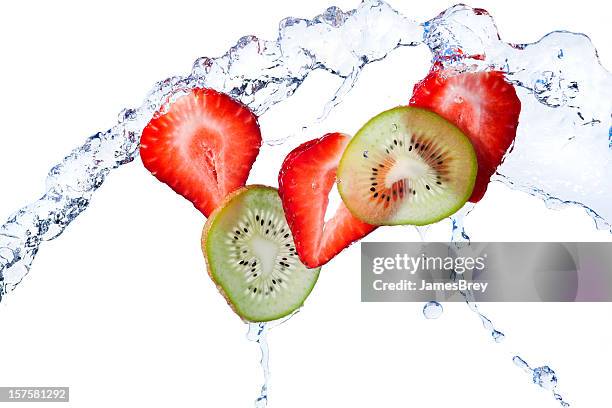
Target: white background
[{"x": 120, "y": 307}]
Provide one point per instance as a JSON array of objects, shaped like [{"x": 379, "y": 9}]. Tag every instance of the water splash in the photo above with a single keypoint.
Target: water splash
[
  {"x": 257, "y": 72},
  {"x": 461, "y": 239},
  {"x": 258, "y": 333},
  {"x": 458, "y": 234},
  {"x": 543, "y": 376},
  {"x": 487, "y": 324},
  {"x": 566, "y": 109},
  {"x": 564, "y": 90}
]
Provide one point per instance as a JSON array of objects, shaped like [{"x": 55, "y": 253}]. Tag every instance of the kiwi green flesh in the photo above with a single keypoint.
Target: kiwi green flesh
[
  {"x": 407, "y": 165},
  {"x": 251, "y": 256}
]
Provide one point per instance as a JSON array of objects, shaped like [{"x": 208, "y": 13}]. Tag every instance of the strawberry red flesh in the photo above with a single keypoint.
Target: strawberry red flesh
[
  {"x": 483, "y": 105},
  {"x": 203, "y": 147},
  {"x": 305, "y": 180}
]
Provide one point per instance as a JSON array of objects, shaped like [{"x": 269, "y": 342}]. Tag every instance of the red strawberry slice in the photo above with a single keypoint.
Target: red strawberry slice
[
  {"x": 305, "y": 180},
  {"x": 483, "y": 105},
  {"x": 203, "y": 147}
]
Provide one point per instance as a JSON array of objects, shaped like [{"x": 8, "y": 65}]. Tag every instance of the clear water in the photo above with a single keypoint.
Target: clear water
[
  {"x": 258, "y": 333},
  {"x": 543, "y": 376},
  {"x": 564, "y": 90},
  {"x": 461, "y": 239},
  {"x": 562, "y": 153},
  {"x": 432, "y": 310}
]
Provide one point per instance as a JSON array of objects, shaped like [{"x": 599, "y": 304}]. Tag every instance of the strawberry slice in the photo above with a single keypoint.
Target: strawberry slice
[
  {"x": 305, "y": 180},
  {"x": 203, "y": 147},
  {"x": 483, "y": 105}
]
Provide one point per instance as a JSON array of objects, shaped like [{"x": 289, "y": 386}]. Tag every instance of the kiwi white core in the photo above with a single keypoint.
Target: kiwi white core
[
  {"x": 266, "y": 251},
  {"x": 407, "y": 166}
]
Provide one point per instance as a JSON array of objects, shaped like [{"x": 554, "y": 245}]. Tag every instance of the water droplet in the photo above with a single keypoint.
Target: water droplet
[
  {"x": 545, "y": 377},
  {"x": 498, "y": 336},
  {"x": 458, "y": 99},
  {"x": 519, "y": 362},
  {"x": 432, "y": 310},
  {"x": 559, "y": 398}
]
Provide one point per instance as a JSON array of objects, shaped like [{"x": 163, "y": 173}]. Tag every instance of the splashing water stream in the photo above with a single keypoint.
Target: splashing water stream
[
  {"x": 543, "y": 376},
  {"x": 564, "y": 91},
  {"x": 461, "y": 239},
  {"x": 258, "y": 333}
]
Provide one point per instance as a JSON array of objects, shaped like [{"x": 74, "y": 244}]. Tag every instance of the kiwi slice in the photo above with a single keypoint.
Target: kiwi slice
[
  {"x": 407, "y": 166},
  {"x": 251, "y": 256}
]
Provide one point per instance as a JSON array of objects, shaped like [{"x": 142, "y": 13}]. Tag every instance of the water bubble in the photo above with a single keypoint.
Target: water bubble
[{"x": 432, "y": 310}]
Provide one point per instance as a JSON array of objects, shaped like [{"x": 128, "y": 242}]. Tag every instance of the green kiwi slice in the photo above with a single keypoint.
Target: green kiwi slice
[
  {"x": 251, "y": 257},
  {"x": 407, "y": 166}
]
